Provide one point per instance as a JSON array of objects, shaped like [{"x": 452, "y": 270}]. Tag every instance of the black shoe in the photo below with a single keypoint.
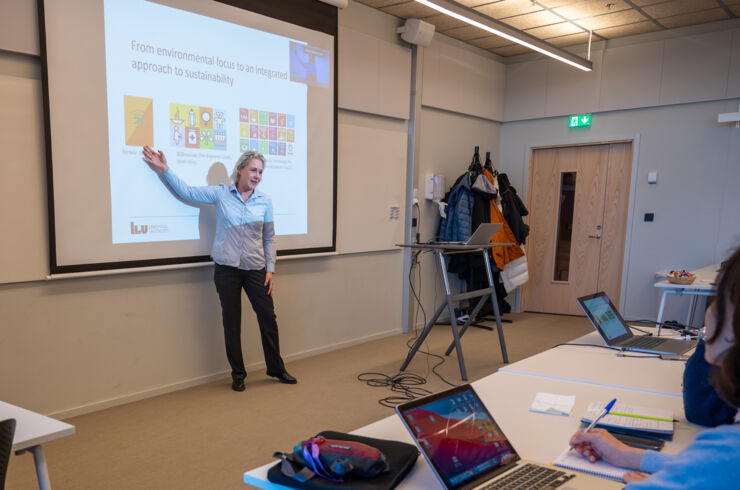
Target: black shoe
[
  {"x": 238, "y": 384},
  {"x": 284, "y": 377}
]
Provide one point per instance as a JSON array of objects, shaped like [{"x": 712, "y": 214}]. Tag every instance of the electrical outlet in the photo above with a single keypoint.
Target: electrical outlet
[{"x": 394, "y": 212}]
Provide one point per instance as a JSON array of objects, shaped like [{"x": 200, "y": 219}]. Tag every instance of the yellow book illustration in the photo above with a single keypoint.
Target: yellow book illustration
[{"x": 139, "y": 124}]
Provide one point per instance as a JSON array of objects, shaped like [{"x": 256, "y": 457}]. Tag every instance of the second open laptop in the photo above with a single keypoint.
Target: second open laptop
[
  {"x": 609, "y": 323},
  {"x": 465, "y": 447},
  {"x": 481, "y": 236}
]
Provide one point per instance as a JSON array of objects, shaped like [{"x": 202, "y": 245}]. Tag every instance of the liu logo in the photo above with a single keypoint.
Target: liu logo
[{"x": 138, "y": 230}]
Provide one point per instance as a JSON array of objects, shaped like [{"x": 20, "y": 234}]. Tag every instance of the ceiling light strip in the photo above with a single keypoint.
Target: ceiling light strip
[{"x": 494, "y": 27}]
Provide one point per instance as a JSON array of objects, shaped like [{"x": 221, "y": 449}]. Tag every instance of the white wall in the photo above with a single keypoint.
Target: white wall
[{"x": 667, "y": 91}]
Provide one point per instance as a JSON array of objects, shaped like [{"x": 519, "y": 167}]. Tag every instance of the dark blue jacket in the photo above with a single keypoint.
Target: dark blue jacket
[
  {"x": 456, "y": 226},
  {"x": 701, "y": 403}
]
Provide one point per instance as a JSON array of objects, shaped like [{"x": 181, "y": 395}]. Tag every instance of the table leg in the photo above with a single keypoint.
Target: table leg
[
  {"x": 464, "y": 328},
  {"x": 692, "y": 309},
  {"x": 42, "y": 473},
  {"x": 453, "y": 318},
  {"x": 424, "y": 333},
  {"x": 660, "y": 310},
  {"x": 495, "y": 308}
]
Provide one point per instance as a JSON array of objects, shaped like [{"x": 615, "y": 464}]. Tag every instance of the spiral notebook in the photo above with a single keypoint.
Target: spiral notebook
[
  {"x": 573, "y": 461},
  {"x": 629, "y": 418}
]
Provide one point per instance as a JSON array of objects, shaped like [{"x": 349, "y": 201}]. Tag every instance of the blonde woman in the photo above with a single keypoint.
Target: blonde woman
[{"x": 243, "y": 252}]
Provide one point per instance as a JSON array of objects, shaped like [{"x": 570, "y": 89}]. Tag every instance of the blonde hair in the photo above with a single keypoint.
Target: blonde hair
[{"x": 243, "y": 161}]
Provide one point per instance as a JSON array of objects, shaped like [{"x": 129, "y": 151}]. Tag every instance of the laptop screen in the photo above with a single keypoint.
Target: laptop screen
[
  {"x": 604, "y": 316},
  {"x": 458, "y": 436}
]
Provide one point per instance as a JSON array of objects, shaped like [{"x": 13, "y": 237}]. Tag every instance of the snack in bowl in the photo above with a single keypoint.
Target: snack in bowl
[{"x": 680, "y": 277}]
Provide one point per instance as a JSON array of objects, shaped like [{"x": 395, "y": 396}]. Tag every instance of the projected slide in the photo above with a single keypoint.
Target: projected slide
[{"x": 203, "y": 91}]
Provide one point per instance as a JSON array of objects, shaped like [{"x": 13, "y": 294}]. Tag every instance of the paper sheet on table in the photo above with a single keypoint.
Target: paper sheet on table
[{"x": 553, "y": 404}]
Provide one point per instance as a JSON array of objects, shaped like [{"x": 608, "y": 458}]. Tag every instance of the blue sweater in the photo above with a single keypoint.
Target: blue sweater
[{"x": 712, "y": 461}]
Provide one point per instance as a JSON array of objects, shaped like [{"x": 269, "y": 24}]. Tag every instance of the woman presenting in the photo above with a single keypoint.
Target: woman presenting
[{"x": 244, "y": 255}]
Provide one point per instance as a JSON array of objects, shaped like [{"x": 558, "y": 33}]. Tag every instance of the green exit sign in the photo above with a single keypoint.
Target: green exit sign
[{"x": 579, "y": 121}]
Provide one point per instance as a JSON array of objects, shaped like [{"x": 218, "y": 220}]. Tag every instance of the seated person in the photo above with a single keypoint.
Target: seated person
[
  {"x": 713, "y": 459},
  {"x": 701, "y": 403}
]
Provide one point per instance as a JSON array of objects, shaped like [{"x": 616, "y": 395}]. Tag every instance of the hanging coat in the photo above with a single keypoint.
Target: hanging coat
[
  {"x": 513, "y": 209},
  {"x": 456, "y": 226}
]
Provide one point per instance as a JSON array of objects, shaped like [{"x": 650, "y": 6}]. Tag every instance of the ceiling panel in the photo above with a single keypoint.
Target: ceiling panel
[
  {"x": 676, "y": 7},
  {"x": 442, "y": 22},
  {"x": 612, "y": 20},
  {"x": 570, "y": 40},
  {"x": 565, "y": 22},
  {"x": 533, "y": 19},
  {"x": 513, "y": 50},
  {"x": 381, "y": 3},
  {"x": 562, "y": 29},
  {"x": 410, "y": 10},
  {"x": 490, "y": 42},
  {"x": 557, "y": 3},
  {"x": 694, "y": 18},
  {"x": 475, "y": 3},
  {"x": 591, "y": 8},
  {"x": 628, "y": 30},
  {"x": 466, "y": 33},
  {"x": 507, "y": 8}
]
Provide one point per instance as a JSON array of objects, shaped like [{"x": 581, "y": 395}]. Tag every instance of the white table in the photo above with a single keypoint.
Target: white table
[
  {"x": 604, "y": 367},
  {"x": 31, "y": 431},
  {"x": 535, "y": 436},
  {"x": 703, "y": 285}
]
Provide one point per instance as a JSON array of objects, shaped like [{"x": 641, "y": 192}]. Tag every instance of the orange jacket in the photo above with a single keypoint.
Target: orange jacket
[{"x": 502, "y": 255}]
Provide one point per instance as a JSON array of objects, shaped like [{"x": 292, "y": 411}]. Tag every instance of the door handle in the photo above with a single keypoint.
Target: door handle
[{"x": 595, "y": 236}]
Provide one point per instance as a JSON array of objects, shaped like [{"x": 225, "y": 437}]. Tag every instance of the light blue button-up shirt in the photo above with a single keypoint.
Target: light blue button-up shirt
[{"x": 245, "y": 230}]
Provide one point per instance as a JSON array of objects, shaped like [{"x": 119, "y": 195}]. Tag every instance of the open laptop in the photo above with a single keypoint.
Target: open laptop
[
  {"x": 466, "y": 448},
  {"x": 481, "y": 236},
  {"x": 610, "y": 325}
]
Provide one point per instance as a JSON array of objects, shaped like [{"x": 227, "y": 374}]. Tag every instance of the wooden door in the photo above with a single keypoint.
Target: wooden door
[{"x": 577, "y": 200}]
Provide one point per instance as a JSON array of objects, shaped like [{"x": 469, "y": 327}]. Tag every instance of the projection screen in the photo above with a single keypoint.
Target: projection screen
[{"x": 202, "y": 81}]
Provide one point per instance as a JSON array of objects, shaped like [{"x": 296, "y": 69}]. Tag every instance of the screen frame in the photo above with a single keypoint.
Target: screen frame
[
  {"x": 401, "y": 410},
  {"x": 589, "y": 315},
  {"x": 310, "y": 14}
]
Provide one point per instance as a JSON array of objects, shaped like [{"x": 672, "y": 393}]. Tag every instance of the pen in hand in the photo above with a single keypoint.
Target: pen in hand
[{"x": 595, "y": 421}]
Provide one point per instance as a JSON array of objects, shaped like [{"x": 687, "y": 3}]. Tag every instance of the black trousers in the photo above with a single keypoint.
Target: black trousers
[{"x": 229, "y": 283}]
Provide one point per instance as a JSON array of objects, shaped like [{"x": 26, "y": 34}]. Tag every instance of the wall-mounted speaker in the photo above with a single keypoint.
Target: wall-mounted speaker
[{"x": 416, "y": 31}]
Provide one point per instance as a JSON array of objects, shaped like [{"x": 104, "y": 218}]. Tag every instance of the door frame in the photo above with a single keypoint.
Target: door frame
[{"x": 577, "y": 140}]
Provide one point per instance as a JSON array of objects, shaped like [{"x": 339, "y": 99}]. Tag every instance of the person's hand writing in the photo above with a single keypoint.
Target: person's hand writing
[
  {"x": 155, "y": 159},
  {"x": 600, "y": 444},
  {"x": 268, "y": 282}
]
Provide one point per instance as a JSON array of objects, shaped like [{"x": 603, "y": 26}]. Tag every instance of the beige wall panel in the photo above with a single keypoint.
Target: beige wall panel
[
  {"x": 733, "y": 82},
  {"x": 631, "y": 76},
  {"x": 526, "y": 90},
  {"x": 371, "y": 177},
  {"x": 19, "y": 31},
  {"x": 459, "y": 80},
  {"x": 24, "y": 250},
  {"x": 374, "y": 75},
  {"x": 695, "y": 68},
  {"x": 573, "y": 91},
  {"x": 80, "y": 345}
]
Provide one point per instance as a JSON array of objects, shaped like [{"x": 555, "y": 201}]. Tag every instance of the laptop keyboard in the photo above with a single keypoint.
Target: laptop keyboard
[
  {"x": 530, "y": 476},
  {"x": 644, "y": 342}
]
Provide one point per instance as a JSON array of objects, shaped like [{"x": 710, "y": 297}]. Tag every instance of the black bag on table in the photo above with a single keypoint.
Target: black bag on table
[{"x": 348, "y": 462}]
